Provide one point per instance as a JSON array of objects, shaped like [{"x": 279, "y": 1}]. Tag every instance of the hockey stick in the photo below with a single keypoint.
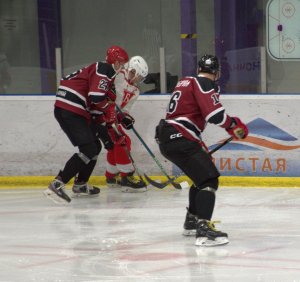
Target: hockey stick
[
  {"x": 220, "y": 145},
  {"x": 129, "y": 155},
  {"x": 164, "y": 184},
  {"x": 171, "y": 180}
]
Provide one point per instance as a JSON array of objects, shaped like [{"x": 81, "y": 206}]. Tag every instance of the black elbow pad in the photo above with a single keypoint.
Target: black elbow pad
[{"x": 217, "y": 118}]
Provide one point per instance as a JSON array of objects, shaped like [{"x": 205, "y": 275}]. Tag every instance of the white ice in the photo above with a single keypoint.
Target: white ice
[{"x": 137, "y": 237}]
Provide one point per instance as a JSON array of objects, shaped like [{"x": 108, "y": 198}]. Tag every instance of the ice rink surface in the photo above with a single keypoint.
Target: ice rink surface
[{"x": 137, "y": 237}]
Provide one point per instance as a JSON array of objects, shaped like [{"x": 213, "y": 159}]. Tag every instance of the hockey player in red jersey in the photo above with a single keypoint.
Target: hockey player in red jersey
[
  {"x": 78, "y": 92},
  {"x": 194, "y": 103},
  {"x": 119, "y": 168}
]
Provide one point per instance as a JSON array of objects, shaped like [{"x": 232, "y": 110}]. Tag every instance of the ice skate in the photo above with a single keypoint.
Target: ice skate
[
  {"x": 130, "y": 184},
  {"x": 84, "y": 189},
  {"x": 56, "y": 192},
  {"x": 189, "y": 226},
  {"x": 208, "y": 236},
  {"x": 113, "y": 182}
]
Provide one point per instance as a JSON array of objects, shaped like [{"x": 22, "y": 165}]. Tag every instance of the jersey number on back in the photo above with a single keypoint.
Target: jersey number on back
[
  {"x": 215, "y": 98},
  {"x": 173, "y": 102},
  {"x": 103, "y": 84}
]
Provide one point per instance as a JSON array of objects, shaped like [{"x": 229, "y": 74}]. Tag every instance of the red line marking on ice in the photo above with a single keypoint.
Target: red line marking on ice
[{"x": 48, "y": 262}]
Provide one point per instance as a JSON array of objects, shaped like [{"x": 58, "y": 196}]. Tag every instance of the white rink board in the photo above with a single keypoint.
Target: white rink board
[
  {"x": 272, "y": 147},
  {"x": 31, "y": 142}
]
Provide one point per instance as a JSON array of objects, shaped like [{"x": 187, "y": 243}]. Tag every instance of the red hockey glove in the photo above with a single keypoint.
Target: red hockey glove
[
  {"x": 110, "y": 116},
  {"x": 237, "y": 129},
  {"x": 118, "y": 139},
  {"x": 126, "y": 120}
]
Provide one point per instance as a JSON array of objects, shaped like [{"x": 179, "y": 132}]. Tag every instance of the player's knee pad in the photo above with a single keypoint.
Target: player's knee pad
[
  {"x": 210, "y": 185},
  {"x": 88, "y": 152}
]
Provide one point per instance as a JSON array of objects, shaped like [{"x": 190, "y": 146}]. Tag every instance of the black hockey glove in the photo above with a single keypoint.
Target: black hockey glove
[
  {"x": 127, "y": 121},
  {"x": 108, "y": 144}
]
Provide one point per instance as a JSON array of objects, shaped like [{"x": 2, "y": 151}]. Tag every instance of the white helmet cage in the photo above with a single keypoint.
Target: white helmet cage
[{"x": 139, "y": 65}]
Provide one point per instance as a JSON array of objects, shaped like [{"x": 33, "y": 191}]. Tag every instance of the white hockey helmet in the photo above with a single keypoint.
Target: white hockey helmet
[{"x": 139, "y": 65}]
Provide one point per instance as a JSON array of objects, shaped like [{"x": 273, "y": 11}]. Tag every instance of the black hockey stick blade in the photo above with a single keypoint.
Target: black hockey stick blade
[
  {"x": 154, "y": 183},
  {"x": 162, "y": 185}
]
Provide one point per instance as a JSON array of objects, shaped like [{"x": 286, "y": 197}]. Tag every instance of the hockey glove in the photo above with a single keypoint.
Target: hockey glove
[
  {"x": 108, "y": 144},
  {"x": 237, "y": 129},
  {"x": 127, "y": 121},
  {"x": 109, "y": 111}
]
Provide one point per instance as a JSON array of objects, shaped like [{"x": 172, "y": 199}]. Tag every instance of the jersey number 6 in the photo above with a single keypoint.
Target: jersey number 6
[{"x": 174, "y": 102}]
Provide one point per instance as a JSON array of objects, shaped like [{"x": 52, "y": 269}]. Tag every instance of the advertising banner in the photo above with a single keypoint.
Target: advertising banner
[{"x": 273, "y": 145}]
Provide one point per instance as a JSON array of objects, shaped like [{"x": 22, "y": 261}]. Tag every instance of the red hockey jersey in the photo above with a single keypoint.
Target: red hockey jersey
[
  {"x": 194, "y": 102},
  {"x": 86, "y": 88}
]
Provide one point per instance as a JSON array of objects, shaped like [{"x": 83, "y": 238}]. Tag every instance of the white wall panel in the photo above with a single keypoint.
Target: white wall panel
[{"x": 32, "y": 143}]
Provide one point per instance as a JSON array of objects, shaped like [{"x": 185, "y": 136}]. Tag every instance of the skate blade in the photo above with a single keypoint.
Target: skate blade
[
  {"x": 54, "y": 197},
  {"x": 134, "y": 190},
  {"x": 205, "y": 242},
  {"x": 189, "y": 232}
]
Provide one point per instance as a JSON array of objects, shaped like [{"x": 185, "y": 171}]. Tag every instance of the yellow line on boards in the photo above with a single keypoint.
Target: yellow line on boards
[{"x": 225, "y": 181}]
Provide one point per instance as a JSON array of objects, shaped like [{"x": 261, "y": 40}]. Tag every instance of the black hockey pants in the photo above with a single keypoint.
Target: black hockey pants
[{"x": 186, "y": 154}]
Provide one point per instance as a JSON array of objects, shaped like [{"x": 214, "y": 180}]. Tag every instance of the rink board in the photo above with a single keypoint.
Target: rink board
[{"x": 32, "y": 144}]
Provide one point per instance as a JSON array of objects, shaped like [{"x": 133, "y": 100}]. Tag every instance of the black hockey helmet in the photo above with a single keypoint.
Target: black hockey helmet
[{"x": 209, "y": 63}]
